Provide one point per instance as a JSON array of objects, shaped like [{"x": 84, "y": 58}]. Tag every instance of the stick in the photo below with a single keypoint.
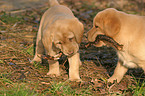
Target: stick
[{"x": 107, "y": 39}]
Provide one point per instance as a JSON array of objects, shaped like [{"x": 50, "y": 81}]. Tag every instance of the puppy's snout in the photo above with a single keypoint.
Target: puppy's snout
[{"x": 70, "y": 52}]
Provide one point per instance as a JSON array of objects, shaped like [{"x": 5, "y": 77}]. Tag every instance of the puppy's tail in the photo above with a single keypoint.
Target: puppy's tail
[{"x": 53, "y": 3}]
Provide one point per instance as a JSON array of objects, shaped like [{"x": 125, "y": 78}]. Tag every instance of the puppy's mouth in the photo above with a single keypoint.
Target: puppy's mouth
[
  {"x": 69, "y": 54},
  {"x": 105, "y": 40}
]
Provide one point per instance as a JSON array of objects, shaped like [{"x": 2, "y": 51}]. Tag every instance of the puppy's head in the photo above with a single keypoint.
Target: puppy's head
[
  {"x": 67, "y": 36},
  {"x": 106, "y": 23}
]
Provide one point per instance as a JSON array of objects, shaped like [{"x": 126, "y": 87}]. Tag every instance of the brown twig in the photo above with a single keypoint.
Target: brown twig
[
  {"x": 98, "y": 61},
  {"x": 2, "y": 22},
  {"x": 48, "y": 57},
  {"x": 11, "y": 58},
  {"x": 64, "y": 62},
  {"x": 106, "y": 39}
]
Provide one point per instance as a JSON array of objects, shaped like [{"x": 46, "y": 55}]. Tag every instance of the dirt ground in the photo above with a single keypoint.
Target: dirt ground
[{"x": 18, "y": 39}]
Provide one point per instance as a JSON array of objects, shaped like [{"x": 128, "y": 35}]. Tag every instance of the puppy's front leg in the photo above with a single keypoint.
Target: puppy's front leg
[
  {"x": 119, "y": 72},
  {"x": 39, "y": 47},
  {"x": 53, "y": 68},
  {"x": 74, "y": 63}
]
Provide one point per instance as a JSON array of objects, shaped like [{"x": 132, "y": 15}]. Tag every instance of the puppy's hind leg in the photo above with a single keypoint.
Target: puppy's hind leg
[{"x": 39, "y": 47}]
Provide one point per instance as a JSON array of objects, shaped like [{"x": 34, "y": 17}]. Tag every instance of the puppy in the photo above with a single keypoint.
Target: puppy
[
  {"x": 60, "y": 30},
  {"x": 126, "y": 29}
]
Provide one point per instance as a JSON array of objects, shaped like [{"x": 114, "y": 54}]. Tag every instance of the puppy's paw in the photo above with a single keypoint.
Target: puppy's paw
[
  {"x": 33, "y": 61},
  {"x": 36, "y": 58},
  {"x": 75, "y": 79},
  {"x": 112, "y": 80},
  {"x": 53, "y": 74}
]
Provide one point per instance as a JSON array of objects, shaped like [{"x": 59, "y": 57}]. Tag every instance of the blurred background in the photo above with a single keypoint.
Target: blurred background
[{"x": 125, "y": 5}]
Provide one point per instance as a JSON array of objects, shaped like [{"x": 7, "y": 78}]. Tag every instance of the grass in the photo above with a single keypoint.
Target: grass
[
  {"x": 61, "y": 89},
  {"x": 18, "y": 90},
  {"x": 8, "y": 22},
  {"x": 64, "y": 89},
  {"x": 9, "y": 88},
  {"x": 37, "y": 65},
  {"x": 139, "y": 89},
  {"x": 30, "y": 50},
  {"x": 8, "y": 19}
]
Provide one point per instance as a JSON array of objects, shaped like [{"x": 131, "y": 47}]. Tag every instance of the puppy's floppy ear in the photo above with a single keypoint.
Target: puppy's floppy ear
[
  {"x": 112, "y": 26},
  {"x": 78, "y": 29},
  {"x": 111, "y": 21}
]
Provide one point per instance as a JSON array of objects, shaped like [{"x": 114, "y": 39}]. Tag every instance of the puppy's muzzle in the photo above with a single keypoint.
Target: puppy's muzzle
[{"x": 69, "y": 53}]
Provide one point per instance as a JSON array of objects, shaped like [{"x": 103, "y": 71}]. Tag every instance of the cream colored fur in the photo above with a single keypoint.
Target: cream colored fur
[
  {"x": 60, "y": 30},
  {"x": 126, "y": 29}
]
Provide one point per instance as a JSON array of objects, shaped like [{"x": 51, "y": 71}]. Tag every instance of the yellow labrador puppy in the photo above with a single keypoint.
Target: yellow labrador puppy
[
  {"x": 126, "y": 29},
  {"x": 60, "y": 30}
]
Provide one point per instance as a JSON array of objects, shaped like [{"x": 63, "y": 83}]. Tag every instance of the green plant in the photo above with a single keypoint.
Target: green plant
[
  {"x": 60, "y": 89},
  {"x": 8, "y": 19},
  {"x": 30, "y": 50},
  {"x": 64, "y": 89},
  {"x": 8, "y": 88},
  {"x": 139, "y": 89},
  {"x": 37, "y": 64}
]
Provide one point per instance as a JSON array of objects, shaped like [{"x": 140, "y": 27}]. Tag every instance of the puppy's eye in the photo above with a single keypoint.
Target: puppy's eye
[
  {"x": 96, "y": 26},
  {"x": 59, "y": 43},
  {"x": 70, "y": 39}
]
